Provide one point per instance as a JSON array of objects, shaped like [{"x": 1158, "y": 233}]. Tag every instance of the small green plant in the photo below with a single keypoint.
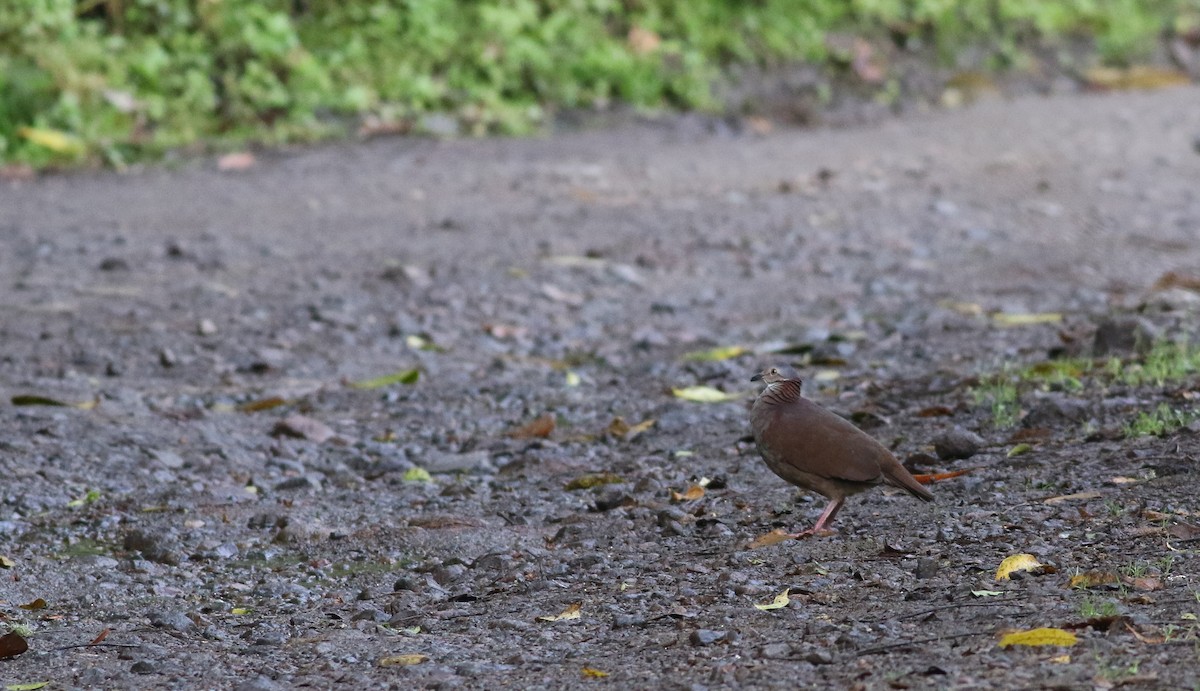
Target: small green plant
[
  {"x": 1117, "y": 671},
  {"x": 1165, "y": 565},
  {"x": 1091, "y": 609},
  {"x": 1135, "y": 570},
  {"x": 1162, "y": 420},
  {"x": 1167, "y": 361},
  {"x": 1000, "y": 394}
]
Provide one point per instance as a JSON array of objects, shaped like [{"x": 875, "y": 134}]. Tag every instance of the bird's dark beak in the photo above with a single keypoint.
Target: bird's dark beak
[{"x": 757, "y": 377}]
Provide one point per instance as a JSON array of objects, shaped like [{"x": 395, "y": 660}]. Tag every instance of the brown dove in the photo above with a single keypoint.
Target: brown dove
[{"x": 813, "y": 448}]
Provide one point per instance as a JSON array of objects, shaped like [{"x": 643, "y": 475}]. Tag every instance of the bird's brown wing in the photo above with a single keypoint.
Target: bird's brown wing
[{"x": 827, "y": 445}]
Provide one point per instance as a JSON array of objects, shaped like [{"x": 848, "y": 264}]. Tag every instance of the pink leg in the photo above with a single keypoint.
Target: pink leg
[{"x": 827, "y": 515}]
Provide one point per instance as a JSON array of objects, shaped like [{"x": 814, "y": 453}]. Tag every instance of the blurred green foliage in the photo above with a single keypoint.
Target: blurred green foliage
[{"x": 119, "y": 80}]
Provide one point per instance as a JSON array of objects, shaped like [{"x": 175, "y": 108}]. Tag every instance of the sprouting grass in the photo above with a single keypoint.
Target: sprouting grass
[
  {"x": 1093, "y": 609},
  {"x": 1162, "y": 420},
  {"x": 1000, "y": 395}
]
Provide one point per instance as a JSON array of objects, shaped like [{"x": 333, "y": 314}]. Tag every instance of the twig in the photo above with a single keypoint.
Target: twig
[
  {"x": 97, "y": 645},
  {"x": 921, "y": 613},
  {"x": 920, "y": 641}
]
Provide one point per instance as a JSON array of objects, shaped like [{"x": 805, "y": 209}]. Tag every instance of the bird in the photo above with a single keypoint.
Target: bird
[{"x": 818, "y": 450}]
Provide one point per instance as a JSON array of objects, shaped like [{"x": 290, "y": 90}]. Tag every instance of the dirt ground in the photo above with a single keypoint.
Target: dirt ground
[{"x": 569, "y": 277}]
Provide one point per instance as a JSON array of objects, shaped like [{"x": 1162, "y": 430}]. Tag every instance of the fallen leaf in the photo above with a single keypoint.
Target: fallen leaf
[
  {"x": 303, "y": 427},
  {"x": 1124, "y": 481},
  {"x": 417, "y": 474},
  {"x": 767, "y": 539},
  {"x": 593, "y": 673},
  {"x": 703, "y": 394},
  {"x": 261, "y": 404},
  {"x": 237, "y": 161},
  {"x": 936, "y": 411},
  {"x": 1146, "y": 583},
  {"x": 642, "y": 41},
  {"x": 987, "y": 593},
  {"x": 827, "y": 375},
  {"x": 1030, "y": 434},
  {"x": 55, "y": 140},
  {"x": 539, "y": 427},
  {"x": 623, "y": 430},
  {"x": 967, "y": 309},
  {"x": 715, "y": 354},
  {"x": 1007, "y": 319},
  {"x": 1039, "y": 637},
  {"x": 1018, "y": 450},
  {"x": 571, "y": 612},
  {"x": 559, "y": 295},
  {"x": 1184, "y": 531},
  {"x": 571, "y": 378},
  {"x": 33, "y": 399},
  {"x": 505, "y": 331},
  {"x": 593, "y": 480},
  {"x": 1135, "y": 77},
  {"x": 6, "y": 563},
  {"x": 408, "y": 376},
  {"x": 1061, "y": 659},
  {"x": 12, "y": 644},
  {"x": 39, "y": 603},
  {"x": 240, "y": 611},
  {"x": 1172, "y": 279},
  {"x": 1092, "y": 579},
  {"x": 929, "y": 478},
  {"x": 1017, "y": 562},
  {"x": 403, "y": 660},
  {"x": 781, "y": 600},
  {"x": 1078, "y": 496},
  {"x": 30, "y": 686},
  {"x": 100, "y": 638},
  {"x": 692, "y": 493}
]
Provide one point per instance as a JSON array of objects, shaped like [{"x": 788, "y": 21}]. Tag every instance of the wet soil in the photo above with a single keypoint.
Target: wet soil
[{"x": 175, "y": 507}]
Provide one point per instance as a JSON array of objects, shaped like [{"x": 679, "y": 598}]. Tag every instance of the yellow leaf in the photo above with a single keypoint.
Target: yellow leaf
[
  {"x": 403, "y": 660},
  {"x": 408, "y": 376},
  {"x": 1091, "y": 579},
  {"x": 781, "y": 600},
  {"x": 417, "y": 474},
  {"x": 1005, "y": 319},
  {"x": 827, "y": 375},
  {"x": 1061, "y": 659},
  {"x": 703, "y": 394},
  {"x": 6, "y": 563},
  {"x": 692, "y": 493},
  {"x": 1017, "y": 562},
  {"x": 571, "y": 612},
  {"x": 774, "y": 537},
  {"x": 593, "y": 480},
  {"x": 594, "y": 673},
  {"x": 31, "y": 686},
  {"x": 715, "y": 354},
  {"x": 240, "y": 611},
  {"x": 572, "y": 379},
  {"x": 1018, "y": 450},
  {"x": 1043, "y": 636},
  {"x": 36, "y": 604},
  {"x": 969, "y": 309},
  {"x": 55, "y": 140}
]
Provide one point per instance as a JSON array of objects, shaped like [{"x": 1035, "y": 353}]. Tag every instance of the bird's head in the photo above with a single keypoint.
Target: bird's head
[{"x": 773, "y": 375}]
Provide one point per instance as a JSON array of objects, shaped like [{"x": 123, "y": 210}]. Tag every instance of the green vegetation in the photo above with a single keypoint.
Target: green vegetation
[
  {"x": 1167, "y": 363},
  {"x": 85, "y": 81},
  {"x": 1092, "y": 609},
  {"x": 1162, "y": 420}
]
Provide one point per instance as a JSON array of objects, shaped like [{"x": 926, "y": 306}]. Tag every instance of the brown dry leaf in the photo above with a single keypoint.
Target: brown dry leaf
[
  {"x": 100, "y": 638},
  {"x": 1092, "y": 579},
  {"x": 936, "y": 411},
  {"x": 1007, "y": 319},
  {"x": 1151, "y": 640},
  {"x": 403, "y": 660},
  {"x": 34, "y": 605},
  {"x": 1184, "y": 531},
  {"x": 1018, "y": 562},
  {"x": 1135, "y": 77},
  {"x": 1152, "y": 515},
  {"x": 303, "y": 427},
  {"x": 1172, "y": 279},
  {"x": 593, "y": 480},
  {"x": 573, "y": 611},
  {"x": 1039, "y": 637},
  {"x": 623, "y": 430},
  {"x": 1078, "y": 496},
  {"x": 261, "y": 404},
  {"x": 1030, "y": 434},
  {"x": 34, "y": 399},
  {"x": 12, "y": 644},
  {"x": 759, "y": 125},
  {"x": 1145, "y": 583},
  {"x": 767, "y": 539},
  {"x": 237, "y": 161},
  {"x": 692, "y": 493},
  {"x": 539, "y": 427},
  {"x": 642, "y": 41}
]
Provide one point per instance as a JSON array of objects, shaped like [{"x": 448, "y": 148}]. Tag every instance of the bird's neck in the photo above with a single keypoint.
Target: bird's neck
[{"x": 785, "y": 391}]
